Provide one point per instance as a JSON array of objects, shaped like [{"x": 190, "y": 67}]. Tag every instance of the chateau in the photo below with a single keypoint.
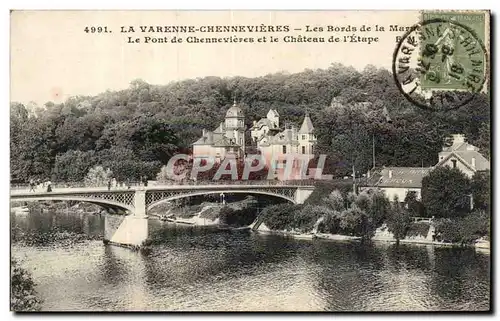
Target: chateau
[{"x": 266, "y": 137}]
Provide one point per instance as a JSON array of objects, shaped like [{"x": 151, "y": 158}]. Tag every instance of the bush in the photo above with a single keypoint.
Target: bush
[
  {"x": 280, "y": 216},
  {"x": 241, "y": 213},
  {"x": 305, "y": 219},
  {"x": 463, "y": 230},
  {"x": 331, "y": 223},
  {"x": 325, "y": 188},
  {"x": 398, "y": 221},
  {"x": 23, "y": 296},
  {"x": 98, "y": 176},
  {"x": 418, "y": 229},
  {"x": 446, "y": 193}
]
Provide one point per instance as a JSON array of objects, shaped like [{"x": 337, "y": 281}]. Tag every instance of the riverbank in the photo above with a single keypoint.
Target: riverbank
[
  {"x": 200, "y": 269},
  {"x": 480, "y": 244}
]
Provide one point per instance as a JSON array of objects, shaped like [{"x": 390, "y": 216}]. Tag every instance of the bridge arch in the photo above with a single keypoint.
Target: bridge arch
[
  {"x": 106, "y": 204},
  {"x": 201, "y": 193}
]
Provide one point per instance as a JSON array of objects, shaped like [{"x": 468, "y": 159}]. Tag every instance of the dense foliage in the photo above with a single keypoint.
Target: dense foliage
[
  {"x": 446, "y": 192},
  {"x": 135, "y": 131},
  {"x": 464, "y": 230},
  {"x": 399, "y": 220},
  {"x": 481, "y": 190},
  {"x": 23, "y": 296},
  {"x": 349, "y": 214},
  {"x": 242, "y": 213}
]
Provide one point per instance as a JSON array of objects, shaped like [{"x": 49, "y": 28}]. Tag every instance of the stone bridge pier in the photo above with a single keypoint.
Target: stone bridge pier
[{"x": 130, "y": 230}]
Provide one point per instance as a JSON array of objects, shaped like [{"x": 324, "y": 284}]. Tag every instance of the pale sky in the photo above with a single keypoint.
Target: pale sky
[{"x": 52, "y": 58}]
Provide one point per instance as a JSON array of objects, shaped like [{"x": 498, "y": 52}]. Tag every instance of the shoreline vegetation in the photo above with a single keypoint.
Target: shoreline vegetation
[
  {"x": 337, "y": 213},
  {"x": 330, "y": 213}
]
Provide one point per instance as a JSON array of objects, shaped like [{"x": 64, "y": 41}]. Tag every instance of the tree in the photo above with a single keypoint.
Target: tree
[
  {"x": 156, "y": 121},
  {"x": 481, "y": 190},
  {"x": 398, "y": 220},
  {"x": 305, "y": 218},
  {"x": 72, "y": 166},
  {"x": 280, "y": 216},
  {"x": 413, "y": 205},
  {"x": 335, "y": 201},
  {"x": 379, "y": 206},
  {"x": 23, "y": 296},
  {"x": 446, "y": 193},
  {"x": 464, "y": 230},
  {"x": 98, "y": 176}
]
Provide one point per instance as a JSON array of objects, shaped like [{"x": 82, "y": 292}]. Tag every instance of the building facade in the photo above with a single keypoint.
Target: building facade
[
  {"x": 399, "y": 181},
  {"x": 464, "y": 156},
  {"x": 274, "y": 143},
  {"x": 227, "y": 140}
]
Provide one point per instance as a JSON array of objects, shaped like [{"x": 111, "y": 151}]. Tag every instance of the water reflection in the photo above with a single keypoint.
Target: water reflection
[{"x": 197, "y": 269}]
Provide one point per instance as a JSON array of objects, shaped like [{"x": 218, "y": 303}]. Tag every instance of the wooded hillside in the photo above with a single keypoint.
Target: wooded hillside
[{"x": 136, "y": 130}]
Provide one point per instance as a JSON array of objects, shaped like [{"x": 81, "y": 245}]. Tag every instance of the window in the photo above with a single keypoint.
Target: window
[
  {"x": 303, "y": 137},
  {"x": 284, "y": 149},
  {"x": 303, "y": 149},
  {"x": 454, "y": 161}
]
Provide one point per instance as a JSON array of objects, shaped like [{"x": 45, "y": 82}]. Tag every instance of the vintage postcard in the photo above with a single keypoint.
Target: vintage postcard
[{"x": 250, "y": 161}]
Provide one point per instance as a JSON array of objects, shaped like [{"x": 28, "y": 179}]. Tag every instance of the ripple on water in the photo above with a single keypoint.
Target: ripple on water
[{"x": 205, "y": 271}]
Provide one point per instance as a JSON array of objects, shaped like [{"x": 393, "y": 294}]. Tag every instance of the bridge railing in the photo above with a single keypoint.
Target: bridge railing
[
  {"x": 422, "y": 219},
  {"x": 234, "y": 182},
  {"x": 59, "y": 185}
]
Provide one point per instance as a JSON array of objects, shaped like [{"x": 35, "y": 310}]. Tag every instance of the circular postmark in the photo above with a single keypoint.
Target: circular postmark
[{"x": 440, "y": 64}]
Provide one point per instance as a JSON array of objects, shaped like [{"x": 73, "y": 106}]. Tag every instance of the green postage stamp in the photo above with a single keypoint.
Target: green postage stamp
[
  {"x": 455, "y": 50},
  {"x": 442, "y": 61}
]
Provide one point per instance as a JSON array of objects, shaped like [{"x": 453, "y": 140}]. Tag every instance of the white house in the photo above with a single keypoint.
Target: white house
[{"x": 399, "y": 181}]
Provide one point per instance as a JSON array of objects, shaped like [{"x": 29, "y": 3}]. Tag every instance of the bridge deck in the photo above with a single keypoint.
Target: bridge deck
[{"x": 80, "y": 190}]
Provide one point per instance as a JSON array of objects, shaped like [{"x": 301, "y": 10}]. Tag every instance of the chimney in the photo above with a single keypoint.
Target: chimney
[
  {"x": 203, "y": 132},
  {"x": 390, "y": 173},
  {"x": 473, "y": 162},
  {"x": 458, "y": 139},
  {"x": 254, "y": 122}
]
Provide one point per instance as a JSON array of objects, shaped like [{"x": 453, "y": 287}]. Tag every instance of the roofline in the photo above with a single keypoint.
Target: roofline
[{"x": 458, "y": 157}]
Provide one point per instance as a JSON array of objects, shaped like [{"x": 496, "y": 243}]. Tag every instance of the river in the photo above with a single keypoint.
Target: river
[{"x": 199, "y": 269}]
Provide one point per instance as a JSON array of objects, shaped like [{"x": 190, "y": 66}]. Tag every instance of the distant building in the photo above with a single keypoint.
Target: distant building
[
  {"x": 267, "y": 138},
  {"x": 227, "y": 140},
  {"x": 275, "y": 143},
  {"x": 464, "y": 156},
  {"x": 399, "y": 181}
]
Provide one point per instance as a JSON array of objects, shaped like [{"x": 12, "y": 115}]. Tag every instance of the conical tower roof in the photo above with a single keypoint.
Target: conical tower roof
[{"x": 307, "y": 125}]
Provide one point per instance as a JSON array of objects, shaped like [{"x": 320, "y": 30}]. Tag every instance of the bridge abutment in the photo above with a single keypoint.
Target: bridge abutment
[
  {"x": 127, "y": 230},
  {"x": 140, "y": 203},
  {"x": 303, "y": 193}
]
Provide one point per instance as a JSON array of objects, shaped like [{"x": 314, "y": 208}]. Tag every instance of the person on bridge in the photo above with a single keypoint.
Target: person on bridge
[
  {"x": 32, "y": 185},
  {"x": 49, "y": 186},
  {"x": 109, "y": 184}
]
